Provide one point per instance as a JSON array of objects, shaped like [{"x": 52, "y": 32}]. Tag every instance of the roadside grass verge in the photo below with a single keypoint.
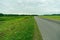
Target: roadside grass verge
[
  {"x": 18, "y": 28},
  {"x": 37, "y": 34},
  {"x": 56, "y": 18}
]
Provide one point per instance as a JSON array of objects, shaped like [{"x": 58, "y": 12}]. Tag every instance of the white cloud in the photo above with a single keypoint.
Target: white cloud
[{"x": 29, "y": 6}]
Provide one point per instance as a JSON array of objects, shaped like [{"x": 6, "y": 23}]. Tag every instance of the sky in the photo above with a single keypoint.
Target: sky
[{"x": 30, "y": 6}]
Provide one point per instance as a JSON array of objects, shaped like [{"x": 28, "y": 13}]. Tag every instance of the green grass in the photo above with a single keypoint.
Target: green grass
[
  {"x": 37, "y": 34},
  {"x": 7, "y": 18},
  {"x": 57, "y": 18},
  {"x": 17, "y": 28}
]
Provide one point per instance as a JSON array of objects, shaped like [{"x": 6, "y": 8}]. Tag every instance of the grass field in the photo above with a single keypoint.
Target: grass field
[
  {"x": 57, "y": 18},
  {"x": 18, "y": 28}
]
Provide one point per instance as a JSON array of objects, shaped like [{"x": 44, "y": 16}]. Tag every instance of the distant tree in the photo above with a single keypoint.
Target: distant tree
[
  {"x": 1, "y": 14},
  {"x": 56, "y": 14},
  {"x": 52, "y": 15}
]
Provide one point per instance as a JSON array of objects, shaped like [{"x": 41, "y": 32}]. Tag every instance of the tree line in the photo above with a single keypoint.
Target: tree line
[
  {"x": 1, "y": 14},
  {"x": 52, "y": 15}
]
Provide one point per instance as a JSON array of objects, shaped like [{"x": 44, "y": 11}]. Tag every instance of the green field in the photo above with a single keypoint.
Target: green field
[
  {"x": 18, "y": 28},
  {"x": 57, "y": 18}
]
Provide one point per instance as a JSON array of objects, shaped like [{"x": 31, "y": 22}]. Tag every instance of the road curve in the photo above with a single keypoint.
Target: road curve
[{"x": 49, "y": 30}]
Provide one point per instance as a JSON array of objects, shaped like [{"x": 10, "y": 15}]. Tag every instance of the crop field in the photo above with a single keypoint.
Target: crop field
[
  {"x": 57, "y": 18},
  {"x": 18, "y": 28}
]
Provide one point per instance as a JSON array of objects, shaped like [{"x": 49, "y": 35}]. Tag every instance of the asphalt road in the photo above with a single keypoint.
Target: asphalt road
[{"x": 49, "y": 30}]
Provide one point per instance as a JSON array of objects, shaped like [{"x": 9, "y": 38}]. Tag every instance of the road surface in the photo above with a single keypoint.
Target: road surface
[{"x": 49, "y": 30}]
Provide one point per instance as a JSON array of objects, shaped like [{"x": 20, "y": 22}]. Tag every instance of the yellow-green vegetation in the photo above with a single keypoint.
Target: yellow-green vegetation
[
  {"x": 57, "y": 18},
  {"x": 37, "y": 34},
  {"x": 18, "y": 28}
]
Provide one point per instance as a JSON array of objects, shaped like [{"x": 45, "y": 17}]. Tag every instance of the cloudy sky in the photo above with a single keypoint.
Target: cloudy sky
[{"x": 30, "y": 6}]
